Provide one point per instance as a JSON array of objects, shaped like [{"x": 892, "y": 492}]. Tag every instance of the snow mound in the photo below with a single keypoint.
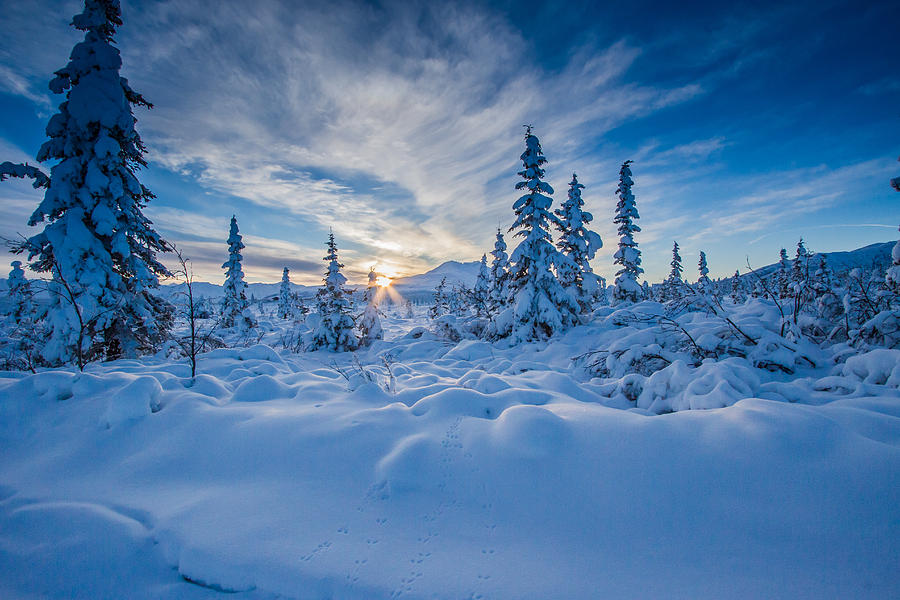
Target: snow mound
[
  {"x": 136, "y": 400},
  {"x": 880, "y": 367},
  {"x": 711, "y": 385}
]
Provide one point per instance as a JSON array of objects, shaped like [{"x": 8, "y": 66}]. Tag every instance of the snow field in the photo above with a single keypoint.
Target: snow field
[{"x": 488, "y": 472}]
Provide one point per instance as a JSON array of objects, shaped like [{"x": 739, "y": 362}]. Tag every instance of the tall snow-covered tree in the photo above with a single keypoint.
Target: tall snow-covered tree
[
  {"x": 481, "y": 291},
  {"x": 97, "y": 245},
  {"x": 628, "y": 256},
  {"x": 285, "y": 296},
  {"x": 540, "y": 305},
  {"x": 499, "y": 274},
  {"x": 579, "y": 245},
  {"x": 335, "y": 329},
  {"x": 234, "y": 303},
  {"x": 370, "y": 322}
]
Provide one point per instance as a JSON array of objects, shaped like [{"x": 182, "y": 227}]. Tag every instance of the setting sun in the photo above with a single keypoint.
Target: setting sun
[{"x": 383, "y": 281}]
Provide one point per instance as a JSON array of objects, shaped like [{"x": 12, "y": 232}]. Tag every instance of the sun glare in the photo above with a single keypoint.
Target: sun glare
[{"x": 383, "y": 281}]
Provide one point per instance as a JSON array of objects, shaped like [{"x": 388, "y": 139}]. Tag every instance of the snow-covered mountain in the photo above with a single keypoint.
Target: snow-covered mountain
[
  {"x": 411, "y": 287},
  {"x": 455, "y": 272},
  {"x": 873, "y": 256}
]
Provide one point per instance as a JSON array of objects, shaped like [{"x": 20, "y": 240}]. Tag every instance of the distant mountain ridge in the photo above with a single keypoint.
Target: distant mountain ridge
[
  {"x": 417, "y": 287},
  {"x": 873, "y": 256}
]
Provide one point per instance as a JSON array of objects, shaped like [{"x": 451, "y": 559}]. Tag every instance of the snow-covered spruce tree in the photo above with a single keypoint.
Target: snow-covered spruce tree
[
  {"x": 671, "y": 288},
  {"x": 22, "y": 340},
  {"x": 628, "y": 255},
  {"x": 758, "y": 290},
  {"x": 799, "y": 281},
  {"x": 828, "y": 305},
  {"x": 499, "y": 275},
  {"x": 883, "y": 329},
  {"x": 800, "y": 266},
  {"x": 892, "y": 277},
  {"x": 579, "y": 245},
  {"x": 539, "y": 305},
  {"x": 19, "y": 293},
  {"x": 737, "y": 288},
  {"x": 480, "y": 295},
  {"x": 97, "y": 245},
  {"x": 234, "y": 303},
  {"x": 370, "y": 323},
  {"x": 440, "y": 306},
  {"x": 335, "y": 329},
  {"x": 782, "y": 276},
  {"x": 704, "y": 285},
  {"x": 285, "y": 297}
]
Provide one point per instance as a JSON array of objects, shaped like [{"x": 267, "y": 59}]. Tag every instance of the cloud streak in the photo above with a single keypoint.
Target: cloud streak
[{"x": 399, "y": 125}]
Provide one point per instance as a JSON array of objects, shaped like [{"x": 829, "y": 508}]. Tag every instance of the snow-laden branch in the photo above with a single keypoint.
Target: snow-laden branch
[{"x": 8, "y": 169}]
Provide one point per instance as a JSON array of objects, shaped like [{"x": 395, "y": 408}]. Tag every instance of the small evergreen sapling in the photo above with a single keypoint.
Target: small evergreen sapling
[
  {"x": 737, "y": 288},
  {"x": 704, "y": 285},
  {"x": 672, "y": 286},
  {"x": 499, "y": 275},
  {"x": 480, "y": 295},
  {"x": 441, "y": 304},
  {"x": 782, "y": 276},
  {"x": 20, "y": 294},
  {"x": 20, "y": 347},
  {"x": 370, "y": 323}
]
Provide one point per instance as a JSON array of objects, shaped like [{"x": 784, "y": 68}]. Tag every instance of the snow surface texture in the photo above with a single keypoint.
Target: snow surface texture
[{"x": 438, "y": 470}]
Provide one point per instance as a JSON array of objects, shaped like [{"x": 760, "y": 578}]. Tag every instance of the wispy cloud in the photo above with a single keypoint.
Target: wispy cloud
[
  {"x": 399, "y": 125},
  {"x": 295, "y": 111}
]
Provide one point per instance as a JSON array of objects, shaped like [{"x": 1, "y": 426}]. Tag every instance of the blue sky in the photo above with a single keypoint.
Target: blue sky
[{"x": 400, "y": 124}]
